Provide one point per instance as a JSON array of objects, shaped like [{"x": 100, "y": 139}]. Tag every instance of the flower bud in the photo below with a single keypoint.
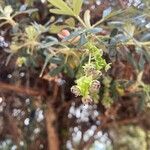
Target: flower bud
[
  {"x": 89, "y": 69},
  {"x": 95, "y": 86},
  {"x": 97, "y": 74},
  {"x": 75, "y": 90},
  {"x": 63, "y": 34},
  {"x": 87, "y": 100}
]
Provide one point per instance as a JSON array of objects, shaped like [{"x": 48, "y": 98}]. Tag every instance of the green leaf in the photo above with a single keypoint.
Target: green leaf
[
  {"x": 87, "y": 18},
  {"x": 51, "y": 39},
  {"x": 141, "y": 62},
  {"x": 74, "y": 34},
  {"x": 57, "y": 60},
  {"x": 114, "y": 32},
  {"x": 70, "y": 22},
  {"x": 70, "y": 71},
  {"x": 63, "y": 8},
  {"x": 60, "y": 12},
  {"x": 56, "y": 28},
  {"x": 107, "y": 11},
  {"x": 45, "y": 64},
  {"x": 94, "y": 30},
  {"x": 56, "y": 71},
  {"x": 77, "y": 4},
  {"x": 8, "y": 10},
  {"x": 31, "y": 32},
  {"x": 59, "y": 4},
  {"x": 82, "y": 40}
]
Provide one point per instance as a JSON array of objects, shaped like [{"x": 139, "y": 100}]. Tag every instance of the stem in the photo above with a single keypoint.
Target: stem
[
  {"x": 50, "y": 119},
  {"x": 107, "y": 17},
  {"x": 66, "y": 59},
  {"x": 27, "y": 44},
  {"x": 97, "y": 23},
  {"x": 12, "y": 22},
  {"x": 81, "y": 21},
  {"x": 45, "y": 64},
  {"x": 89, "y": 58},
  {"x": 52, "y": 134},
  {"x": 139, "y": 43}
]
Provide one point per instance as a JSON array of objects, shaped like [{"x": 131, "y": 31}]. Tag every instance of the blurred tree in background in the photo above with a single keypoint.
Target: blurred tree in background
[{"x": 74, "y": 74}]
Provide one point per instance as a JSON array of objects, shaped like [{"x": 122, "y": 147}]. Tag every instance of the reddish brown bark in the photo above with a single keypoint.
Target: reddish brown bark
[
  {"x": 20, "y": 89},
  {"x": 52, "y": 136},
  {"x": 51, "y": 120}
]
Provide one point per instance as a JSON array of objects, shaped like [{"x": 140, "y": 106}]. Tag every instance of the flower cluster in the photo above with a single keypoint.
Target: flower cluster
[{"x": 87, "y": 85}]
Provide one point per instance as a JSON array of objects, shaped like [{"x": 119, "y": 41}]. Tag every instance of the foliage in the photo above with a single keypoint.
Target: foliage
[
  {"x": 107, "y": 58},
  {"x": 35, "y": 37}
]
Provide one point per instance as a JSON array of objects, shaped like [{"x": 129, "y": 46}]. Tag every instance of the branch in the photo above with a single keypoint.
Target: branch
[
  {"x": 50, "y": 120},
  {"x": 52, "y": 135},
  {"x": 20, "y": 89}
]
